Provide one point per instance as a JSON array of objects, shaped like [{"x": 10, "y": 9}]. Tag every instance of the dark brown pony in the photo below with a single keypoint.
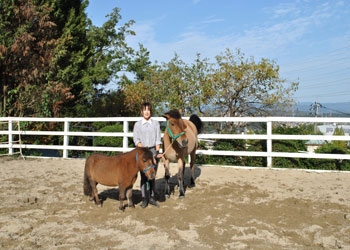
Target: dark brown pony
[
  {"x": 120, "y": 170},
  {"x": 180, "y": 140}
]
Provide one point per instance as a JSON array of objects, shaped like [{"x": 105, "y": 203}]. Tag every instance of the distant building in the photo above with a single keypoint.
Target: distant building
[
  {"x": 328, "y": 129},
  {"x": 312, "y": 145}
]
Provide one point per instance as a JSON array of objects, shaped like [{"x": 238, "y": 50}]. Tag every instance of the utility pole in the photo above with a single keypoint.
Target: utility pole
[{"x": 314, "y": 107}]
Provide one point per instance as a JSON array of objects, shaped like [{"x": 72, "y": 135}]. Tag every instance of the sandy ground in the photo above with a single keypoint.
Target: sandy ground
[{"x": 43, "y": 207}]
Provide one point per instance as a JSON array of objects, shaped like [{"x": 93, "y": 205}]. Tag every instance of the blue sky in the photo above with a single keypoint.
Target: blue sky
[{"x": 310, "y": 40}]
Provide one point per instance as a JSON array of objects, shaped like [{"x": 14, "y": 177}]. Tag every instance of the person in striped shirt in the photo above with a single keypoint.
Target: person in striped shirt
[{"x": 147, "y": 134}]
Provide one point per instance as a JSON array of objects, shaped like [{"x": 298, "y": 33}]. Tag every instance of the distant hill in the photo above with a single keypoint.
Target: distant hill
[{"x": 327, "y": 109}]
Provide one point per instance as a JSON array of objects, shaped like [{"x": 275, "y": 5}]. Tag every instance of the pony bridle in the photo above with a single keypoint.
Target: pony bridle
[
  {"x": 146, "y": 169},
  {"x": 171, "y": 133}
]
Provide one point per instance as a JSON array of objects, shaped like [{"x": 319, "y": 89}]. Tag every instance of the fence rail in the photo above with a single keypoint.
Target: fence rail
[{"x": 269, "y": 137}]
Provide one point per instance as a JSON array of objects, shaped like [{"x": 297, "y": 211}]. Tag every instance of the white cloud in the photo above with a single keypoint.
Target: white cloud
[
  {"x": 195, "y": 1},
  {"x": 283, "y": 10},
  {"x": 212, "y": 19}
]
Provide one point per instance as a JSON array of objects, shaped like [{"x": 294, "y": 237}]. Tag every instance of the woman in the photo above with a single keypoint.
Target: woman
[{"x": 147, "y": 134}]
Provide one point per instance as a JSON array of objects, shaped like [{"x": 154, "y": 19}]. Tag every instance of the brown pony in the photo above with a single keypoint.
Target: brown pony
[
  {"x": 180, "y": 140},
  {"x": 120, "y": 170}
]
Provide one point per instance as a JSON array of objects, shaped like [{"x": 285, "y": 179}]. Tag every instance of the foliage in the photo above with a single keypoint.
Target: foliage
[
  {"x": 233, "y": 86},
  {"x": 228, "y": 145},
  {"x": 340, "y": 144},
  {"x": 53, "y": 60},
  {"x": 26, "y": 48},
  {"x": 246, "y": 88},
  {"x": 290, "y": 146},
  {"x": 108, "y": 141},
  {"x": 172, "y": 85},
  {"x": 69, "y": 66},
  {"x": 329, "y": 164},
  {"x": 108, "y": 104}
]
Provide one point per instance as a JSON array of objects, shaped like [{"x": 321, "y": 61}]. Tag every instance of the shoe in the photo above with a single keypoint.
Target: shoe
[
  {"x": 144, "y": 203},
  {"x": 153, "y": 202}
]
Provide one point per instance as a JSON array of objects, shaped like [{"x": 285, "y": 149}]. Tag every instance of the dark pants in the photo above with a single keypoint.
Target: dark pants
[{"x": 152, "y": 184}]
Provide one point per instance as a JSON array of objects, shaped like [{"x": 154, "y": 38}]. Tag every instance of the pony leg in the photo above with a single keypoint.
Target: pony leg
[
  {"x": 121, "y": 198},
  {"x": 180, "y": 177},
  {"x": 193, "y": 158},
  {"x": 167, "y": 177},
  {"x": 129, "y": 197},
  {"x": 94, "y": 192}
]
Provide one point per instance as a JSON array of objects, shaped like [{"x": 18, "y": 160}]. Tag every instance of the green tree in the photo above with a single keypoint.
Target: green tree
[
  {"x": 54, "y": 60},
  {"x": 91, "y": 58},
  {"x": 246, "y": 88},
  {"x": 172, "y": 85},
  {"x": 233, "y": 86},
  {"x": 69, "y": 66},
  {"x": 334, "y": 147}
]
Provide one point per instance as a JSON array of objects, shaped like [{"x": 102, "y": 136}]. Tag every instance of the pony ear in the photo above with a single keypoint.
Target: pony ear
[
  {"x": 166, "y": 116},
  {"x": 180, "y": 111}
]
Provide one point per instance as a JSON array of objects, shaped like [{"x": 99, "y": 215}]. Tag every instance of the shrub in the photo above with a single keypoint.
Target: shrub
[
  {"x": 109, "y": 141},
  {"x": 330, "y": 164}
]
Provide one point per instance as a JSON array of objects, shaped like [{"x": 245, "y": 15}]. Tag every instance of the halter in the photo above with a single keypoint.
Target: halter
[
  {"x": 172, "y": 136},
  {"x": 146, "y": 169}
]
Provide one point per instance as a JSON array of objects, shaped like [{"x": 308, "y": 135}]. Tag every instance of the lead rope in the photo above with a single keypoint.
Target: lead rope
[
  {"x": 163, "y": 158},
  {"x": 147, "y": 182}
]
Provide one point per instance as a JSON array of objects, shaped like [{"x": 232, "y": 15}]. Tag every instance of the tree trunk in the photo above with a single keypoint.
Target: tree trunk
[{"x": 3, "y": 101}]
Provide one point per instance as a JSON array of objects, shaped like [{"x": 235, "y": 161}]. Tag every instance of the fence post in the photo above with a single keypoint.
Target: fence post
[
  {"x": 10, "y": 137},
  {"x": 269, "y": 144},
  {"x": 65, "y": 139},
  {"x": 125, "y": 137}
]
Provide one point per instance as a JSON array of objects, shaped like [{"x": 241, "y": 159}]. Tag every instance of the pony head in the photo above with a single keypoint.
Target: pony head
[
  {"x": 176, "y": 127},
  {"x": 146, "y": 162}
]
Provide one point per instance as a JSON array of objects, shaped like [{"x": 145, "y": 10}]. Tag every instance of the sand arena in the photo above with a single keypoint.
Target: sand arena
[{"x": 43, "y": 207}]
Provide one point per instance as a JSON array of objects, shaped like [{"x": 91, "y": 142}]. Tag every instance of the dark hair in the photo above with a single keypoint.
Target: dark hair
[
  {"x": 146, "y": 104},
  {"x": 174, "y": 113}
]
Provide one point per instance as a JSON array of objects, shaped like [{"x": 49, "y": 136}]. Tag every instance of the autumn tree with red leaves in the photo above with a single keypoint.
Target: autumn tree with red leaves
[
  {"x": 53, "y": 60},
  {"x": 26, "y": 50}
]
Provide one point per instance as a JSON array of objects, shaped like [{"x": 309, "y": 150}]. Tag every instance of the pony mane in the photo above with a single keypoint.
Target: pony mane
[
  {"x": 146, "y": 152},
  {"x": 174, "y": 113},
  {"x": 197, "y": 122}
]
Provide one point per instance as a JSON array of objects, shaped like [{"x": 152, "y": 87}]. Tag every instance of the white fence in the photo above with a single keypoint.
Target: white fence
[{"x": 269, "y": 137}]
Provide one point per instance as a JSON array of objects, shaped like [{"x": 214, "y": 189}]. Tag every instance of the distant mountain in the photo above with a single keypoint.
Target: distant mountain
[{"x": 326, "y": 109}]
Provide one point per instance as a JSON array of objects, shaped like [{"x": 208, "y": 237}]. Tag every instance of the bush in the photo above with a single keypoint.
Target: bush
[
  {"x": 227, "y": 145},
  {"x": 330, "y": 164},
  {"x": 109, "y": 141}
]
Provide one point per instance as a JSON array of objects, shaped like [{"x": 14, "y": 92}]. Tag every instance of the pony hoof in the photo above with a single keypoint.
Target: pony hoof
[
  {"x": 182, "y": 196},
  {"x": 167, "y": 196}
]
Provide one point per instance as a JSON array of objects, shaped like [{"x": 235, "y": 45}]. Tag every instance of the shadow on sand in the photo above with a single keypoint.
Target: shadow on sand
[{"x": 113, "y": 193}]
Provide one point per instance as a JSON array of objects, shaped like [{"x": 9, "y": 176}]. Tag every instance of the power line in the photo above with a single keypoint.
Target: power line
[
  {"x": 314, "y": 108},
  {"x": 326, "y": 94},
  {"x": 320, "y": 56},
  {"x": 314, "y": 67},
  {"x": 340, "y": 112},
  {"x": 338, "y": 73},
  {"x": 326, "y": 83}
]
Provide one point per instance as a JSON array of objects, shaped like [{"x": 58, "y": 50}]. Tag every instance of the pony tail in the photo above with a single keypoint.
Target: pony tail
[
  {"x": 87, "y": 186},
  {"x": 197, "y": 122}
]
